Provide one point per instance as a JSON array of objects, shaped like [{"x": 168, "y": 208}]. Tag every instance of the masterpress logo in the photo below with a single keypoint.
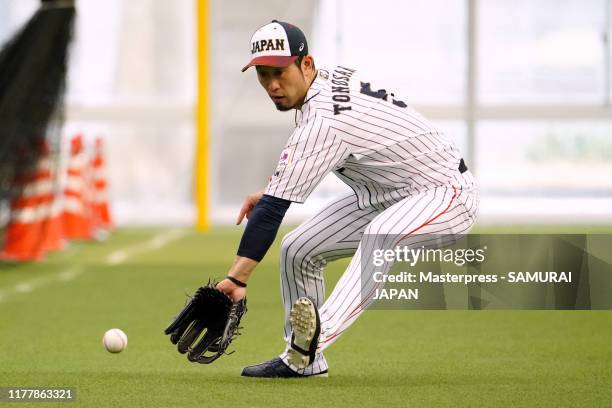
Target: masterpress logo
[{"x": 487, "y": 272}]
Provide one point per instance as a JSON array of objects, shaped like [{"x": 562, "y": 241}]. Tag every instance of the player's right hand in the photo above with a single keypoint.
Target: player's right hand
[
  {"x": 248, "y": 205},
  {"x": 231, "y": 289}
]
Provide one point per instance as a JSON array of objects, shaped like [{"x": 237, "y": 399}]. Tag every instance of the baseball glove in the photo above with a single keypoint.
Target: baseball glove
[{"x": 211, "y": 310}]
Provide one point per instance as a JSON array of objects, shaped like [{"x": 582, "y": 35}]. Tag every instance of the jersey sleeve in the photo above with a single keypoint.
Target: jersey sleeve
[{"x": 313, "y": 150}]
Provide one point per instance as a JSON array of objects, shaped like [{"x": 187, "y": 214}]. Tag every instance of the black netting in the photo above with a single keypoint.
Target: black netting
[{"x": 33, "y": 67}]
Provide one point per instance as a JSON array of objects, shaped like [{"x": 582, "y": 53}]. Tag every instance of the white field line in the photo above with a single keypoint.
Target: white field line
[
  {"x": 154, "y": 244},
  {"x": 114, "y": 258},
  {"x": 31, "y": 285}
]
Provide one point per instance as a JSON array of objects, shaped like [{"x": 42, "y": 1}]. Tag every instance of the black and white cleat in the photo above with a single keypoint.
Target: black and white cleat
[
  {"x": 306, "y": 328},
  {"x": 276, "y": 368}
]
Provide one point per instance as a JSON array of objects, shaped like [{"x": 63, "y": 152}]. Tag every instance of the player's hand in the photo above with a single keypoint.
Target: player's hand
[
  {"x": 248, "y": 205},
  {"x": 231, "y": 289}
]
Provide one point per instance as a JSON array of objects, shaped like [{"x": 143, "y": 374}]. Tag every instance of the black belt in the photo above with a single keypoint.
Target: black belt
[{"x": 462, "y": 167}]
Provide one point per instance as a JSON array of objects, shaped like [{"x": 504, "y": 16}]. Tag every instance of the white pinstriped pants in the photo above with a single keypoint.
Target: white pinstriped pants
[{"x": 337, "y": 231}]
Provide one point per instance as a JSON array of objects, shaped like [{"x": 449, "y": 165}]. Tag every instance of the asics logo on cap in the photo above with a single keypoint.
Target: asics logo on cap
[{"x": 277, "y": 44}]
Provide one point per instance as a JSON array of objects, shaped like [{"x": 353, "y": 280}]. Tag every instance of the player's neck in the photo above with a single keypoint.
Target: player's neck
[{"x": 304, "y": 100}]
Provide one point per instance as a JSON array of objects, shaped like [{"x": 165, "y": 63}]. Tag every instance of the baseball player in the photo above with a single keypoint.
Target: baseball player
[{"x": 406, "y": 178}]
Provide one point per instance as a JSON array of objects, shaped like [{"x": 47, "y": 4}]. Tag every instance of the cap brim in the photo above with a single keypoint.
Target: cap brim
[{"x": 271, "y": 61}]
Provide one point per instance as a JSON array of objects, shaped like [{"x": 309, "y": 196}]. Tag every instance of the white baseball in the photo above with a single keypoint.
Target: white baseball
[{"x": 115, "y": 340}]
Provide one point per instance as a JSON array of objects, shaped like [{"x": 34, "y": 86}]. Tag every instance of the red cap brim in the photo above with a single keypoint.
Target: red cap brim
[{"x": 279, "y": 61}]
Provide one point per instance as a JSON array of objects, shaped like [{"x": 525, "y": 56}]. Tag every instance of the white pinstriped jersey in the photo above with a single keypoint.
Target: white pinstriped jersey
[{"x": 382, "y": 148}]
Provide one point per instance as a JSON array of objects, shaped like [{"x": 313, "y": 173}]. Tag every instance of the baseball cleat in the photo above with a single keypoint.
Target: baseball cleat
[
  {"x": 275, "y": 368},
  {"x": 306, "y": 327}
]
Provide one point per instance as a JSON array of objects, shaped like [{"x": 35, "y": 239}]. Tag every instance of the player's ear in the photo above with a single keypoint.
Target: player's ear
[{"x": 308, "y": 63}]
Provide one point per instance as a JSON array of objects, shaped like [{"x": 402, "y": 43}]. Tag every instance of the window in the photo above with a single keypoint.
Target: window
[
  {"x": 538, "y": 52},
  {"x": 557, "y": 158},
  {"x": 416, "y": 46},
  {"x": 133, "y": 52}
]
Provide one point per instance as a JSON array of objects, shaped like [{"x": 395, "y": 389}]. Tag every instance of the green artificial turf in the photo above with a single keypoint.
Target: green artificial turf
[{"x": 50, "y": 336}]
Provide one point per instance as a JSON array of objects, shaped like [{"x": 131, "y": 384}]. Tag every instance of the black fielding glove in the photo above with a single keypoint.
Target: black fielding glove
[{"x": 211, "y": 310}]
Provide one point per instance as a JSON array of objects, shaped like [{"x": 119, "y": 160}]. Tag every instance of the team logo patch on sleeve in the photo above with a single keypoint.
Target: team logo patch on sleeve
[{"x": 285, "y": 157}]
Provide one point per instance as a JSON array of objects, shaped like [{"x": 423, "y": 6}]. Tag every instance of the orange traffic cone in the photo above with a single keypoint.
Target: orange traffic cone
[
  {"x": 25, "y": 237},
  {"x": 52, "y": 229},
  {"x": 75, "y": 217},
  {"x": 52, "y": 234},
  {"x": 99, "y": 207}
]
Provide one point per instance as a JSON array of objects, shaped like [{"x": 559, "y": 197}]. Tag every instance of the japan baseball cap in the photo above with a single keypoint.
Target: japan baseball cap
[{"x": 277, "y": 44}]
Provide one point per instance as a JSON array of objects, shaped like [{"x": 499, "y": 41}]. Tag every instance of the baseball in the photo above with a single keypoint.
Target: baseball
[{"x": 115, "y": 340}]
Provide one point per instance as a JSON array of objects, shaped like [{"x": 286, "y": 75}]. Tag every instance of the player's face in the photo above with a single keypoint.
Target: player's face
[{"x": 286, "y": 87}]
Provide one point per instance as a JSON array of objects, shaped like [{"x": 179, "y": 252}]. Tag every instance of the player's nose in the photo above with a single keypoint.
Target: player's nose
[{"x": 273, "y": 86}]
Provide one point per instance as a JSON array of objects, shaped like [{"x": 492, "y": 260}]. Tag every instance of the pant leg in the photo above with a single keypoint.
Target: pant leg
[
  {"x": 333, "y": 233},
  {"x": 440, "y": 211}
]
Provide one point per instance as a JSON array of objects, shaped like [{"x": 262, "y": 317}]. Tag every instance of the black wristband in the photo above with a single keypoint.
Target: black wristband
[{"x": 236, "y": 281}]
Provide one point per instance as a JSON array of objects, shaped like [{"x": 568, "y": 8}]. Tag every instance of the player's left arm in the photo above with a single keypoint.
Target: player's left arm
[{"x": 265, "y": 219}]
